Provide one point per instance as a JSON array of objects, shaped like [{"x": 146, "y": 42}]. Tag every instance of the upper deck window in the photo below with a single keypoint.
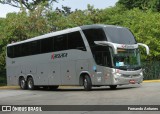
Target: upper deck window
[
  {"x": 49, "y": 44},
  {"x": 60, "y": 42},
  {"x": 75, "y": 41},
  {"x": 94, "y": 35}
]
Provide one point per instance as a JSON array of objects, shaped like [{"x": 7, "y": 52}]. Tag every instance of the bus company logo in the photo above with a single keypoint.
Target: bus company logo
[
  {"x": 130, "y": 46},
  {"x": 123, "y": 46},
  {"x": 61, "y": 55},
  {"x": 127, "y": 46}
]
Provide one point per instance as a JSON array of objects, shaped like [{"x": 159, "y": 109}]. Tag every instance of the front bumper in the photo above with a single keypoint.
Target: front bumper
[
  {"x": 127, "y": 77},
  {"x": 129, "y": 80}
]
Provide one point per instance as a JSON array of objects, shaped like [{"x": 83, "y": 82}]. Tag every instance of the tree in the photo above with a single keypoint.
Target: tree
[
  {"x": 154, "y": 5},
  {"x": 17, "y": 27},
  {"x": 2, "y": 45},
  {"x": 65, "y": 10},
  {"x": 130, "y": 4},
  {"x": 28, "y": 4},
  {"x": 145, "y": 26}
]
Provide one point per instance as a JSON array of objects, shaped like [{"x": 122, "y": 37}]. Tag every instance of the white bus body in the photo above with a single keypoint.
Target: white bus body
[{"x": 91, "y": 55}]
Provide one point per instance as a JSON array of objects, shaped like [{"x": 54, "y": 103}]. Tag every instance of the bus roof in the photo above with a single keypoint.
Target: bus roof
[
  {"x": 47, "y": 35},
  {"x": 84, "y": 27},
  {"x": 98, "y": 26}
]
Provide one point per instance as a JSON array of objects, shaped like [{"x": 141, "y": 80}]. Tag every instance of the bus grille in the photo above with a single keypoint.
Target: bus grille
[{"x": 127, "y": 76}]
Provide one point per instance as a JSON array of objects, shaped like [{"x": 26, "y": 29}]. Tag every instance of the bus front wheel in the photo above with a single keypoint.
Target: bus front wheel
[
  {"x": 22, "y": 83},
  {"x": 30, "y": 83},
  {"x": 87, "y": 83}
]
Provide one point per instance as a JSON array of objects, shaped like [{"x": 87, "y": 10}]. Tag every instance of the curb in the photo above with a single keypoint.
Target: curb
[
  {"x": 9, "y": 87},
  {"x": 151, "y": 81}
]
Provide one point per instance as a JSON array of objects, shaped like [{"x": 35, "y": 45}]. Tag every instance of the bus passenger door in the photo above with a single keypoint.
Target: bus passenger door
[
  {"x": 102, "y": 61},
  {"x": 99, "y": 75},
  {"x": 68, "y": 73},
  {"x": 54, "y": 76}
]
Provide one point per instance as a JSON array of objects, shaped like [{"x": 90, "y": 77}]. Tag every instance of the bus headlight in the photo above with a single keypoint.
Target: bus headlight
[
  {"x": 118, "y": 74},
  {"x": 141, "y": 74}
]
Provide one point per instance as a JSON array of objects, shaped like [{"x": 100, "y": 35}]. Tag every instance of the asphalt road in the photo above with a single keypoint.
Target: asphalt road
[{"x": 142, "y": 94}]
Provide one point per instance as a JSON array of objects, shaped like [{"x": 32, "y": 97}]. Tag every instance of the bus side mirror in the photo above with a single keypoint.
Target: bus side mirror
[{"x": 144, "y": 45}]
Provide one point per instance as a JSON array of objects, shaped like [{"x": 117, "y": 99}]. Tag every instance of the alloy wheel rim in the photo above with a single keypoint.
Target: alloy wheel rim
[
  {"x": 85, "y": 83},
  {"x": 30, "y": 84},
  {"x": 22, "y": 83}
]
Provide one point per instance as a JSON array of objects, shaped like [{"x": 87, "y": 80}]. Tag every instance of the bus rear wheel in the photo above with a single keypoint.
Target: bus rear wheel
[
  {"x": 87, "y": 83},
  {"x": 22, "y": 83},
  {"x": 30, "y": 83},
  {"x": 113, "y": 87}
]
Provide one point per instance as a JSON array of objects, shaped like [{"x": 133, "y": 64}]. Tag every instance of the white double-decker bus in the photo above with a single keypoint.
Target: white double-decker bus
[{"x": 91, "y": 55}]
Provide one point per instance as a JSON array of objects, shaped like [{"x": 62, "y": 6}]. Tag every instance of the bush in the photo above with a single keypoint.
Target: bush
[{"x": 3, "y": 79}]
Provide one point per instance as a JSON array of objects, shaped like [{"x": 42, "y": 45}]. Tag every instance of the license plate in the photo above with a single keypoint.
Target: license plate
[{"x": 132, "y": 81}]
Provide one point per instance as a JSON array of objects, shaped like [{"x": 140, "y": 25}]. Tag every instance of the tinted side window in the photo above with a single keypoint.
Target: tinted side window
[
  {"x": 75, "y": 41},
  {"x": 25, "y": 49},
  {"x": 102, "y": 55},
  {"x": 60, "y": 42},
  {"x": 17, "y": 51},
  {"x": 10, "y": 51},
  {"x": 34, "y": 47},
  {"x": 94, "y": 35},
  {"x": 30, "y": 48},
  {"x": 46, "y": 45}
]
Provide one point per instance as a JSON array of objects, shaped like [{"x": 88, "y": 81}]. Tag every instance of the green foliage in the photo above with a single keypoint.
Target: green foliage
[
  {"x": 21, "y": 26},
  {"x": 17, "y": 27},
  {"x": 145, "y": 26},
  {"x": 130, "y": 4},
  {"x": 3, "y": 78},
  {"x": 65, "y": 10},
  {"x": 28, "y": 4},
  {"x": 113, "y": 15},
  {"x": 154, "y": 5}
]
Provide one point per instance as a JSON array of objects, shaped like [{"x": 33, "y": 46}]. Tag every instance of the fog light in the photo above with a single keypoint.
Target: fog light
[{"x": 117, "y": 79}]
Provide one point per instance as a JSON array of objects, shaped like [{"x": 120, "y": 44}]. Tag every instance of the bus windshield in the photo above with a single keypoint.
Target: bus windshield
[
  {"x": 120, "y": 35},
  {"x": 127, "y": 59}
]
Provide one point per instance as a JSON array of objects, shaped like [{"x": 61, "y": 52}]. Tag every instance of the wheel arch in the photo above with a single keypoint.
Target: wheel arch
[
  {"x": 81, "y": 76},
  {"x": 28, "y": 76}
]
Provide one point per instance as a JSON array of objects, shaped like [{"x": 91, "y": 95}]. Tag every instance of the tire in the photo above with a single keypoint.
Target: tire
[
  {"x": 53, "y": 87},
  {"x": 113, "y": 87},
  {"x": 22, "y": 83},
  {"x": 30, "y": 83},
  {"x": 87, "y": 83}
]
